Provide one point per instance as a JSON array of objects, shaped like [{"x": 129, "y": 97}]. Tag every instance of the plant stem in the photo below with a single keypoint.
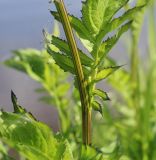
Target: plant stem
[{"x": 82, "y": 84}]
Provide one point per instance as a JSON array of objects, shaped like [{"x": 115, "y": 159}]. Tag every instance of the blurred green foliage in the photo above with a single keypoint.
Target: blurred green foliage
[
  {"x": 125, "y": 128},
  {"x": 134, "y": 103}
]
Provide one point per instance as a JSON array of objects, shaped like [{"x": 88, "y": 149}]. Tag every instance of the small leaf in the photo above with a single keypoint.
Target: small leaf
[
  {"x": 63, "y": 46},
  {"x": 62, "y": 61},
  {"x": 101, "y": 94},
  {"x": 107, "y": 45},
  {"x": 18, "y": 109},
  {"x": 97, "y": 106},
  {"x": 127, "y": 16},
  {"x": 65, "y": 62},
  {"x": 112, "y": 41},
  {"x": 104, "y": 73},
  {"x": 117, "y": 22},
  {"x": 82, "y": 33},
  {"x": 77, "y": 24}
]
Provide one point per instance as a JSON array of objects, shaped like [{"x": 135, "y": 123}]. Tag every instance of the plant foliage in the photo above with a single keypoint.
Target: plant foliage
[
  {"x": 31, "y": 138},
  {"x": 94, "y": 29},
  {"x": 133, "y": 124}
]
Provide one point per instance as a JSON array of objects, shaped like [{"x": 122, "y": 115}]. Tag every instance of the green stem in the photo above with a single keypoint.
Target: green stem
[{"x": 82, "y": 85}]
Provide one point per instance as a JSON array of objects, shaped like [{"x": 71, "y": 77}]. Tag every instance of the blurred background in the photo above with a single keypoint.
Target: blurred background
[{"x": 21, "y": 24}]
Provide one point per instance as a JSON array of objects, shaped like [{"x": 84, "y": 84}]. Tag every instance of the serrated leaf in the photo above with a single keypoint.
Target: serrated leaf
[
  {"x": 112, "y": 9},
  {"x": 92, "y": 15},
  {"x": 97, "y": 13},
  {"x": 62, "y": 61},
  {"x": 107, "y": 45},
  {"x": 18, "y": 109},
  {"x": 65, "y": 62},
  {"x": 83, "y": 33},
  {"x": 103, "y": 95},
  {"x": 104, "y": 73},
  {"x": 34, "y": 140},
  {"x": 109, "y": 24},
  {"x": 117, "y": 22},
  {"x": 76, "y": 24},
  {"x": 64, "y": 47},
  {"x": 127, "y": 16}
]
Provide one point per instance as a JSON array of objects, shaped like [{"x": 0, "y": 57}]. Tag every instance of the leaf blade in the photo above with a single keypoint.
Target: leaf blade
[
  {"x": 103, "y": 95},
  {"x": 104, "y": 73},
  {"x": 64, "y": 47},
  {"x": 20, "y": 135}
]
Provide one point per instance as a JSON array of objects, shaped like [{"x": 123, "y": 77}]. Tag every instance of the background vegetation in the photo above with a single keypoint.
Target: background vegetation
[{"x": 124, "y": 128}]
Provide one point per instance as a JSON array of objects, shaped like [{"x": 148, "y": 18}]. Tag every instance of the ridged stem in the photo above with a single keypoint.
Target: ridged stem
[{"x": 82, "y": 85}]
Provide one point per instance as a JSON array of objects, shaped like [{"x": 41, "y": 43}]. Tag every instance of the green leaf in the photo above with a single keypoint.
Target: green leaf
[
  {"x": 63, "y": 46},
  {"x": 128, "y": 15},
  {"x": 112, "y": 8},
  {"x": 92, "y": 15},
  {"x": 97, "y": 106},
  {"x": 107, "y": 45},
  {"x": 105, "y": 25},
  {"x": 34, "y": 140},
  {"x": 62, "y": 61},
  {"x": 14, "y": 62},
  {"x": 97, "y": 13},
  {"x": 18, "y": 109},
  {"x": 65, "y": 62},
  {"x": 34, "y": 59},
  {"x": 82, "y": 32},
  {"x": 104, "y": 73},
  {"x": 77, "y": 24},
  {"x": 103, "y": 95},
  {"x": 29, "y": 61},
  {"x": 117, "y": 22},
  {"x": 90, "y": 153}
]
